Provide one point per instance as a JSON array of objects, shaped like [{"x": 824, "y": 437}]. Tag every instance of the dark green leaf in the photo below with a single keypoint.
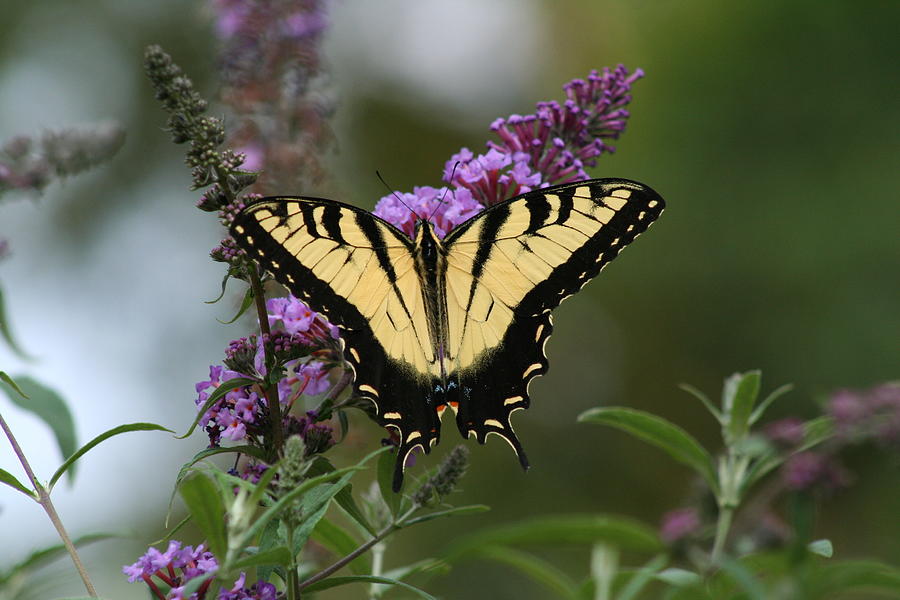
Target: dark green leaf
[
  {"x": 739, "y": 405},
  {"x": 702, "y": 398},
  {"x": 341, "y": 543},
  {"x": 427, "y": 565},
  {"x": 224, "y": 388},
  {"x": 752, "y": 587},
  {"x": 171, "y": 532},
  {"x": 337, "y": 581},
  {"x": 202, "y": 498},
  {"x": 761, "y": 409},
  {"x": 858, "y": 575},
  {"x": 344, "y": 498},
  {"x": 537, "y": 569},
  {"x": 450, "y": 512},
  {"x": 385, "y": 481},
  {"x": 679, "y": 444},
  {"x": 222, "y": 295},
  {"x": 11, "y": 383},
  {"x": 245, "y": 304},
  {"x": 638, "y": 579},
  {"x": 622, "y": 533},
  {"x": 100, "y": 438},
  {"x": 6, "y": 331},
  {"x": 314, "y": 505},
  {"x": 10, "y": 480},
  {"x": 50, "y": 408},
  {"x": 280, "y": 556},
  {"x": 816, "y": 431}
]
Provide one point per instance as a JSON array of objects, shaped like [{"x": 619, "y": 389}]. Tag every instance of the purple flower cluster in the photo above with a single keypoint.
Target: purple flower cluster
[
  {"x": 552, "y": 146},
  {"x": 242, "y": 412},
  {"x": 174, "y": 567},
  {"x": 679, "y": 524},
  {"x": 808, "y": 470},
  {"x": 178, "y": 565},
  {"x": 273, "y": 82},
  {"x": 872, "y": 414}
]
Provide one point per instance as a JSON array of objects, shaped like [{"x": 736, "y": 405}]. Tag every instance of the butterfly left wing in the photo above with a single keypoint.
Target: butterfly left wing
[
  {"x": 358, "y": 271},
  {"x": 508, "y": 268}
]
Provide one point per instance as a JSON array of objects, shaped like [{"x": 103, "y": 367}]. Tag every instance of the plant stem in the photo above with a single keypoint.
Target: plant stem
[
  {"x": 271, "y": 391},
  {"x": 723, "y": 525},
  {"x": 43, "y": 498},
  {"x": 397, "y": 524}
]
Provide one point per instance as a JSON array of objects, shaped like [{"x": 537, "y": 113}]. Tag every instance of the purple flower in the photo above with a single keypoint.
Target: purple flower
[
  {"x": 788, "y": 432},
  {"x": 678, "y": 524},
  {"x": 553, "y": 145},
  {"x": 873, "y": 414},
  {"x": 174, "y": 567},
  {"x": 806, "y": 470}
]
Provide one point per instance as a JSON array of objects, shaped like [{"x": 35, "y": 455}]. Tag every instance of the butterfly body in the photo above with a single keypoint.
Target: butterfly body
[{"x": 460, "y": 322}]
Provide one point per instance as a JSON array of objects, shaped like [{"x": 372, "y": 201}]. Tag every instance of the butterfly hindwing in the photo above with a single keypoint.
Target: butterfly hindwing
[
  {"x": 509, "y": 267},
  {"x": 358, "y": 271}
]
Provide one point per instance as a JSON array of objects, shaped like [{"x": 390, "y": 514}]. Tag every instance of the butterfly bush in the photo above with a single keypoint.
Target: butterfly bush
[
  {"x": 299, "y": 338},
  {"x": 552, "y": 146}
]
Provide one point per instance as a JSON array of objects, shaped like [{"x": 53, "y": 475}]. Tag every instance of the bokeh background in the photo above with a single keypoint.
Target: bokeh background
[{"x": 771, "y": 128}]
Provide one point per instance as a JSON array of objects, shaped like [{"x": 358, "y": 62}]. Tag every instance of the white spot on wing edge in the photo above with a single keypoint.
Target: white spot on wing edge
[
  {"x": 512, "y": 400},
  {"x": 355, "y": 357},
  {"x": 368, "y": 389},
  {"x": 240, "y": 229},
  {"x": 413, "y": 435},
  {"x": 392, "y": 415},
  {"x": 493, "y": 423},
  {"x": 531, "y": 369}
]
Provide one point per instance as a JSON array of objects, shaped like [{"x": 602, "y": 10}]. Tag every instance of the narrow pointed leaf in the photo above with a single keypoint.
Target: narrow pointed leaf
[
  {"x": 70, "y": 462},
  {"x": 639, "y": 579},
  {"x": 344, "y": 498},
  {"x": 428, "y": 565},
  {"x": 678, "y": 443},
  {"x": 740, "y": 406},
  {"x": 679, "y": 577},
  {"x": 338, "y": 581},
  {"x": 315, "y": 504},
  {"x": 49, "y": 407},
  {"x": 450, "y": 512},
  {"x": 279, "y": 556},
  {"x": 702, "y": 398},
  {"x": 202, "y": 498},
  {"x": 761, "y": 409},
  {"x": 385, "y": 481},
  {"x": 245, "y": 304},
  {"x": 6, "y": 332},
  {"x": 9, "y": 479},
  {"x": 533, "y": 567},
  {"x": 341, "y": 543},
  {"x": 11, "y": 383},
  {"x": 622, "y": 533}
]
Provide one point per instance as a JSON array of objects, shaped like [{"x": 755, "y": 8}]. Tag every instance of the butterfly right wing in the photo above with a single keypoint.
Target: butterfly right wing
[{"x": 358, "y": 271}]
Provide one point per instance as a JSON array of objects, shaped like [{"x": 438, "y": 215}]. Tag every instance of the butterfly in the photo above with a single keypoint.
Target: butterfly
[{"x": 461, "y": 322}]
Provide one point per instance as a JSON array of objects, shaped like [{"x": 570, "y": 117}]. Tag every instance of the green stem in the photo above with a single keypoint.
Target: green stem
[
  {"x": 43, "y": 498},
  {"x": 723, "y": 525},
  {"x": 338, "y": 565},
  {"x": 271, "y": 391}
]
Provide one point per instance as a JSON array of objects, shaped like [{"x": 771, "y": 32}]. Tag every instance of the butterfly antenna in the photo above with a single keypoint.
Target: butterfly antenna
[
  {"x": 395, "y": 194},
  {"x": 446, "y": 189}
]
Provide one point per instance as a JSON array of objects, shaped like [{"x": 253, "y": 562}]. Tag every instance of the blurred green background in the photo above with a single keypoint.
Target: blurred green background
[{"x": 770, "y": 128}]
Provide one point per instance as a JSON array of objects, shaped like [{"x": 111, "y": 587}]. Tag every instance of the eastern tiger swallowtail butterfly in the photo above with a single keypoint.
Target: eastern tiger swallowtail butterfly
[{"x": 459, "y": 322}]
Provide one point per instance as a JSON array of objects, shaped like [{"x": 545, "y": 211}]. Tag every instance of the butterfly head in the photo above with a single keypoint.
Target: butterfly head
[{"x": 426, "y": 240}]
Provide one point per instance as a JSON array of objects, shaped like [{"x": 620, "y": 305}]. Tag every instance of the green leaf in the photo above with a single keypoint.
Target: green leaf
[
  {"x": 740, "y": 397},
  {"x": 70, "y": 462},
  {"x": 702, "y": 398},
  {"x": 280, "y": 556},
  {"x": 224, "y": 388},
  {"x": 341, "y": 542},
  {"x": 816, "y": 431},
  {"x": 679, "y": 577},
  {"x": 625, "y": 534},
  {"x": 678, "y": 443},
  {"x": 11, "y": 383},
  {"x": 857, "y": 575},
  {"x": 385, "y": 482},
  {"x": 9, "y": 479},
  {"x": 744, "y": 579},
  {"x": 286, "y": 500},
  {"x": 640, "y": 578},
  {"x": 344, "y": 498},
  {"x": 246, "y": 303},
  {"x": 6, "y": 332},
  {"x": 222, "y": 295},
  {"x": 315, "y": 504},
  {"x": 422, "y": 566},
  {"x": 338, "y": 581},
  {"x": 46, "y": 555},
  {"x": 49, "y": 407},
  {"x": 821, "y": 547},
  {"x": 450, "y": 512},
  {"x": 185, "y": 469},
  {"x": 535, "y": 568},
  {"x": 761, "y": 409},
  {"x": 202, "y": 498}
]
